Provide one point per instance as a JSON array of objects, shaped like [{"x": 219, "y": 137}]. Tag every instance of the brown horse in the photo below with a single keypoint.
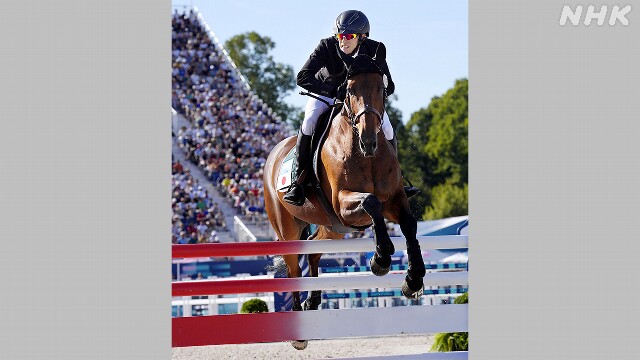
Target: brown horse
[{"x": 360, "y": 175}]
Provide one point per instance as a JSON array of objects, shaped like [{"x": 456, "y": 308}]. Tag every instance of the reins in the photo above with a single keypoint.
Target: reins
[{"x": 347, "y": 106}]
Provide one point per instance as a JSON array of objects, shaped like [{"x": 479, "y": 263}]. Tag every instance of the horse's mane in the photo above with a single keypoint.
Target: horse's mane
[{"x": 362, "y": 64}]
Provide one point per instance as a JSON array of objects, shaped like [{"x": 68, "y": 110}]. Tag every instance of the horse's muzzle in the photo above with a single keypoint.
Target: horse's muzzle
[{"x": 368, "y": 147}]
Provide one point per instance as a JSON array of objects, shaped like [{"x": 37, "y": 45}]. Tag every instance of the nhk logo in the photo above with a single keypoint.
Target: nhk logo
[{"x": 616, "y": 14}]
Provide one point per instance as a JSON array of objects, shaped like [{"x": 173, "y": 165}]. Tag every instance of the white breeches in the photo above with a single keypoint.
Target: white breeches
[{"x": 315, "y": 108}]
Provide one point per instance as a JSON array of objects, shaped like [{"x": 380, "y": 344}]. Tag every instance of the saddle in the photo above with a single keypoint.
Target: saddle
[{"x": 312, "y": 181}]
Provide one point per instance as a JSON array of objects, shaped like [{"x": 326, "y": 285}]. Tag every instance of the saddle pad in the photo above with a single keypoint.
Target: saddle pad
[{"x": 286, "y": 170}]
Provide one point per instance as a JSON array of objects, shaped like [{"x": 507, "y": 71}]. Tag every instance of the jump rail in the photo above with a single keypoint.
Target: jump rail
[
  {"x": 310, "y": 247},
  {"x": 325, "y": 324},
  {"x": 220, "y": 287}
]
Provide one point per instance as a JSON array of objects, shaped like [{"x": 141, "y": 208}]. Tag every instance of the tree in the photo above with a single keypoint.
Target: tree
[
  {"x": 270, "y": 80},
  {"x": 448, "y": 200},
  {"x": 433, "y": 153},
  {"x": 410, "y": 159},
  {"x": 448, "y": 134},
  {"x": 296, "y": 117}
]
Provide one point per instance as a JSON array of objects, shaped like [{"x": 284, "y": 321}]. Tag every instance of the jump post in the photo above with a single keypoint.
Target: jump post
[{"x": 324, "y": 324}]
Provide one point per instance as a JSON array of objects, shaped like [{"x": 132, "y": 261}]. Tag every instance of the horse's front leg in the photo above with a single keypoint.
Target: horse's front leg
[
  {"x": 355, "y": 205},
  {"x": 398, "y": 211}
]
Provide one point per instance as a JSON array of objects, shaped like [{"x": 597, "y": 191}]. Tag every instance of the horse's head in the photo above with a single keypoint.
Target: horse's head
[{"x": 364, "y": 101}]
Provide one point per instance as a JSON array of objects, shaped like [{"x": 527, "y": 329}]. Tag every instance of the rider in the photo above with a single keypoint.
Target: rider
[{"x": 324, "y": 75}]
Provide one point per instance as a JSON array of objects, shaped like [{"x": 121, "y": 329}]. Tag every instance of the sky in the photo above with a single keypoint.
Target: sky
[{"x": 427, "y": 41}]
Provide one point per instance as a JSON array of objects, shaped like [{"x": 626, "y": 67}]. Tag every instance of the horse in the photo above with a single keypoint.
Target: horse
[{"x": 358, "y": 170}]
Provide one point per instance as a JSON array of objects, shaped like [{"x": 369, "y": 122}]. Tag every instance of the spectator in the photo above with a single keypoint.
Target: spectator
[
  {"x": 213, "y": 237},
  {"x": 193, "y": 210},
  {"x": 231, "y": 130},
  {"x": 183, "y": 238}
]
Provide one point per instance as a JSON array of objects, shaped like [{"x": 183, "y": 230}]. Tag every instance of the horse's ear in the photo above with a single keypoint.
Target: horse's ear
[{"x": 346, "y": 59}]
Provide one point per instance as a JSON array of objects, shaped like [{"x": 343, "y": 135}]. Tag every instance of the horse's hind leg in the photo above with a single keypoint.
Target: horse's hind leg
[
  {"x": 294, "y": 231},
  {"x": 293, "y": 271},
  {"x": 353, "y": 206},
  {"x": 399, "y": 212},
  {"x": 315, "y": 297},
  {"x": 287, "y": 228}
]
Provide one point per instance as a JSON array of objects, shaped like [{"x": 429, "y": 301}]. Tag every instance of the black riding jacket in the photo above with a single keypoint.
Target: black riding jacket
[{"x": 324, "y": 71}]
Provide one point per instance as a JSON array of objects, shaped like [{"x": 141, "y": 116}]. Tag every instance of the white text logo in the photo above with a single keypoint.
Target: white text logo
[{"x": 617, "y": 14}]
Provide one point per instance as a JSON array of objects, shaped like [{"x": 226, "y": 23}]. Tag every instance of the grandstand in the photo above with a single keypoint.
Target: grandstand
[{"x": 222, "y": 129}]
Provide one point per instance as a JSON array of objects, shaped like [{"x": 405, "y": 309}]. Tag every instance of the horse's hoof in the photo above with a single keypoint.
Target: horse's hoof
[
  {"x": 300, "y": 344},
  {"x": 412, "y": 292},
  {"x": 377, "y": 269}
]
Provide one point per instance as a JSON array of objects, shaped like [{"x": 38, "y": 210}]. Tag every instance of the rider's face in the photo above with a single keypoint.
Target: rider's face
[{"x": 347, "y": 46}]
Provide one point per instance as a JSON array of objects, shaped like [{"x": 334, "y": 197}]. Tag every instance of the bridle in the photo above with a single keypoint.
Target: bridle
[{"x": 354, "y": 118}]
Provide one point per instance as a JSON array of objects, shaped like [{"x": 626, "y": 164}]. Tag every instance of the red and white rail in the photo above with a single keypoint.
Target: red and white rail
[
  {"x": 230, "y": 286},
  {"x": 310, "y": 246},
  {"x": 325, "y": 324},
  {"x": 318, "y": 324}
]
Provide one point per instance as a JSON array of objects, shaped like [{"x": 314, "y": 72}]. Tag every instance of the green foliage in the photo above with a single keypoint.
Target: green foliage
[
  {"x": 254, "y": 306},
  {"x": 462, "y": 299},
  {"x": 270, "y": 80},
  {"x": 448, "y": 200},
  {"x": 433, "y": 154},
  {"x": 448, "y": 133},
  {"x": 444, "y": 342},
  {"x": 296, "y": 118},
  {"x": 458, "y": 341}
]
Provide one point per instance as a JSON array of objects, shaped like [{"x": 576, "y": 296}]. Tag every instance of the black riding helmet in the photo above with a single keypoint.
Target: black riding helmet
[{"x": 351, "y": 22}]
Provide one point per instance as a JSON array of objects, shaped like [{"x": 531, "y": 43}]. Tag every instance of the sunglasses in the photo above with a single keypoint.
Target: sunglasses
[{"x": 346, "y": 36}]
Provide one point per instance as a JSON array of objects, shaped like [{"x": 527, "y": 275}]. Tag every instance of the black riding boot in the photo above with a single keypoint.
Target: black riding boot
[
  {"x": 295, "y": 194},
  {"x": 408, "y": 190}
]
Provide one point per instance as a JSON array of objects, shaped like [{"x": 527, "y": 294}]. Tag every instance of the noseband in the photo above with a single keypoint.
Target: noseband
[{"x": 366, "y": 109}]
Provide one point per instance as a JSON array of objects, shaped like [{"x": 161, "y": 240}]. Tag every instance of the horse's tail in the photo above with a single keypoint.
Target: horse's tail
[{"x": 279, "y": 267}]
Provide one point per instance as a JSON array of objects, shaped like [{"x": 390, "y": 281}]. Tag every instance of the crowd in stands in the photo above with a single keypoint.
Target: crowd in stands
[
  {"x": 231, "y": 130},
  {"x": 195, "y": 218}
]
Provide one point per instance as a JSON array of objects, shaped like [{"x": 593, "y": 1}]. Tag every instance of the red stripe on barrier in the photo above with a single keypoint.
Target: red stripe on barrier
[
  {"x": 237, "y": 249},
  {"x": 234, "y": 329},
  {"x": 309, "y": 247},
  {"x": 246, "y": 286},
  {"x": 319, "y": 324}
]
